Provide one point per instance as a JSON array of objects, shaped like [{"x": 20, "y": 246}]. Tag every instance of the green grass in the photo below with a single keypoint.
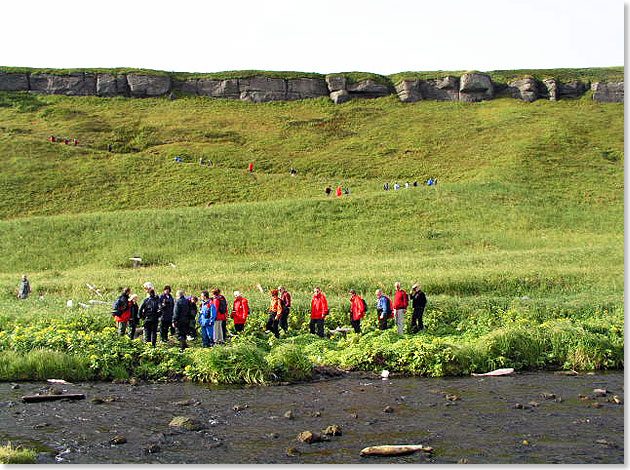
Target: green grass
[
  {"x": 10, "y": 454},
  {"x": 519, "y": 247}
]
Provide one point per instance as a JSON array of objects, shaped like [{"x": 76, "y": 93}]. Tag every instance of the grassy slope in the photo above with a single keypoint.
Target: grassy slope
[{"x": 529, "y": 201}]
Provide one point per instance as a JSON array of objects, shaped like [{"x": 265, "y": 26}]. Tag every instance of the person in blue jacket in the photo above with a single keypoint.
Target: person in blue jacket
[
  {"x": 207, "y": 317},
  {"x": 383, "y": 309}
]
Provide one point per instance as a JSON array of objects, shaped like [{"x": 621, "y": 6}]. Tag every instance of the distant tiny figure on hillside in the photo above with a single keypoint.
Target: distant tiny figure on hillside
[
  {"x": 75, "y": 141},
  {"x": 415, "y": 184},
  {"x": 293, "y": 171},
  {"x": 396, "y": 186},
  {"x": 210, "y": 163},
  {"x": 386, "y": 187},
  {"x": 109, "y": 147},
  {"x": 338, "y": 191},
  {"x": 201, "y": 162},
  {"x": 53, "y": 138},
  {"x": 346, "y": 191},
  {"x": 251, "y": 167},
  {"x": 328, "y": 190},
  {"x": 407, "y": 185},
  {"x": 178, "y": 159},
  {"x": 24, "y": 288}
]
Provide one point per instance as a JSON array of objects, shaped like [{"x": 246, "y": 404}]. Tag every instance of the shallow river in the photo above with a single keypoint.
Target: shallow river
[{"x": 469, "y": 419}]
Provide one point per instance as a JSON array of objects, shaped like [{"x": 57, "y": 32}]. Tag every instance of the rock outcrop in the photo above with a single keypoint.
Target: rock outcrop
[
  {"x": 611, "y": 92},
  {"x": 13, "y": 81},
  {"x": 469, "y": 87},
  {"x": 341, "y": 90},
  {"x": 74, "y": 84},
  {"x": 526, "y": 89},
  {"x": 475, "y": 87}
]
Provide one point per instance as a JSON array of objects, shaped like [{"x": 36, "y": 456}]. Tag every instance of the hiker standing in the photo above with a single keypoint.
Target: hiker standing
[
  {"x": 134, "y": 320},
  {"x": 251, "y": 167},
  {"x": 122, "y": 311},
  {"x": 150, "y": 313},
  {"x": 401, "y": 302},
  {"x": 338, "y": 191},
  {"x": 418, "y": 302},
  {"x": 328, "y": 190},
  {"x": 220, "y": 328},
  {"x": 357, "y": 310},
  {"x": 319, "y": 310},
  {"x": 181, "y": 318},
  {"x": 166, "y": 313},
  {"x": 207, "y": 317},
  {"x": 24, "y": 288},
  {"x": 240, "y": 310},
  {"x": 275, "y": 312},
  {"x": 285, "y": 302},
  {"x": 192, "y": 326},
  {"x": 383, "y": 309}
]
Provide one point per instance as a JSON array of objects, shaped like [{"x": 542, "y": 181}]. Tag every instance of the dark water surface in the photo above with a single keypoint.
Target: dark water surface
[{"x": 481, "y": 425}]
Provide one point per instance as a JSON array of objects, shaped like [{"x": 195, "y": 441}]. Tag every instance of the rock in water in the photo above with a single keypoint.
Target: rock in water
[
  {"x": 333, "y": 430},
  {"x": 185, "y": 422},
  {"x": 153, "y": 449},
  {"x": 309, "y": 437},
  {"x": 116, "y": 440},
  {"x": 289, "y": 415},
  {"x": 388, "y": 409},
  {"x": 392, "y": 450}
]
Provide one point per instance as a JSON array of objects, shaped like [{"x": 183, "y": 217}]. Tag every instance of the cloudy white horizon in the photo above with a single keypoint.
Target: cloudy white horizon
[{"x": 325, "y": 37}]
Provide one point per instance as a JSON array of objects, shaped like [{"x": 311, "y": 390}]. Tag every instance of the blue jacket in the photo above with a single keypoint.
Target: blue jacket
[
  {"x": 207, "y": 314},
  {"x": 383, "y": 305}
]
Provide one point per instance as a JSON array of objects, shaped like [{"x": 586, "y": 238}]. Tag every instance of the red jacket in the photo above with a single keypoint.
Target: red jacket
[
  {"x": 216, "y": 302},
  {"x": 126, "y": 315},
  {"x": 319, "y": 307},
  {"x": 338, "y": 190},
  {"x": 357, "y": 309},
  {"x": 287, "y": 299},
  {"x": 240, "y": 310},
  {"x": 400, "y": 300}
]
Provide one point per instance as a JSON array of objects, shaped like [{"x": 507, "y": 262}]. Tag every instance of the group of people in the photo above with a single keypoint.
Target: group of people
[
  {"x": 396, "y": 186},
  {"x": 74, "y": 141},
  {"x": 180, "y": 316},
  {"x": 339, "y": 191}
]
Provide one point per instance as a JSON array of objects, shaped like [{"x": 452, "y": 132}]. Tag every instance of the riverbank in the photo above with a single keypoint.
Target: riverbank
[{"x": 525, "y": 418}]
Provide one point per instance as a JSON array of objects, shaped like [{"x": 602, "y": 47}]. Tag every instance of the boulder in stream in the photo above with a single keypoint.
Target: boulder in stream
[
  {"x": 309, "y": 437},
  {"x": 185, "y": 422}
]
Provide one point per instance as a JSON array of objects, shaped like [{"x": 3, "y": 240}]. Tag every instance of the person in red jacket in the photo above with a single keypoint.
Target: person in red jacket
[
  {"x": 251, "y": 167},
  {"x": 240, "y": 310},
  {"x": 401, "y": 301},
  {"x": 319, "y": 310},
  {"x": 357, "y": 311},
  {"x": 338, "y": 191}
]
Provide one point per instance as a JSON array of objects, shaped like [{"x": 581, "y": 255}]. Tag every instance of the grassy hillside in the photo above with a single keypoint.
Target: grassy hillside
[{"x": 524, "y": 228}]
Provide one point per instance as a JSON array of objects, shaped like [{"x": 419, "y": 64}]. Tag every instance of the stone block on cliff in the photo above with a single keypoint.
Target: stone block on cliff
[
  {"x": 572, "y": 90},
  {"x": 76, "y": 84},
  {"x": 552, "y": 89},
  {"x": 144, "y": 86},
  {"x": 336, "y": 83},
  {"x": 13, "y": 81},
  {"x": 340, "y": 96},
  {"x": 263, "y": 96},
  {"x": 304, "y": 88},
  {"x": 526, "y": 89},
  {"x": 368, "y": 89},
  {"x": 190, "y": 86},
  {"x": 440, "y": 89},
  {"x": 475, "y": 87},
  {"x": 111, "y": 85},
  {"x": 608, "y": 92},
  {"x": 263, "y": 84},
  {"x": 409, "y": 91},
  {"x": 219, "y": 88}
]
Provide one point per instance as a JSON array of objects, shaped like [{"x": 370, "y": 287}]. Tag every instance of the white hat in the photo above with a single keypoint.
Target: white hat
[
  {"x": 237, "y": 293},
  {"x": 147, "y": 285}
]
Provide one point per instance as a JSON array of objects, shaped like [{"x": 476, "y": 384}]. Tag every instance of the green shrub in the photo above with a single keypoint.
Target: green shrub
[{"x": 289, "y": 362}]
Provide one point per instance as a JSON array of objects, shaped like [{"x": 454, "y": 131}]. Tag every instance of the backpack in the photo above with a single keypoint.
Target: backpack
[
  {"x": 222, "y": 305},
  {"x": 118, "y": 307},
  {"x": 365, "y": 307},
  {"x": 389, "y": 307}
]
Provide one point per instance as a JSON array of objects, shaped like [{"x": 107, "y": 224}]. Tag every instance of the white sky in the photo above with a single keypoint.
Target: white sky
[{"x": 322, "y": 36}]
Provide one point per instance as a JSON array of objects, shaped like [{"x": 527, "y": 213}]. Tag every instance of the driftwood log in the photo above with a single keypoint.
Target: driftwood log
[
  {"x": 66, "y": 396},
  {"x": 391, "y": 450}
]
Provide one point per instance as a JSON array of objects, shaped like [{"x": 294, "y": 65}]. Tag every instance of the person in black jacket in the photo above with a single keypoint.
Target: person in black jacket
[
  {"x": 150, "y": 313},
  {"x": 134, "y": 321},
  {"x": 166, "y": 313},
  {"x": 192, "y": 331},
  {"x": 418, "y": 302},
  {"x": 181, "y": 318}
]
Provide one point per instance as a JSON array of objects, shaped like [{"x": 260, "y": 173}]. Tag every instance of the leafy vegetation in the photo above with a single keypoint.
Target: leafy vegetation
[{"x": 10, "y": 454}]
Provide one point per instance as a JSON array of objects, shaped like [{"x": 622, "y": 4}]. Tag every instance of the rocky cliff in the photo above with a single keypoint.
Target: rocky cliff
[{"x": 468, "y": 87}]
